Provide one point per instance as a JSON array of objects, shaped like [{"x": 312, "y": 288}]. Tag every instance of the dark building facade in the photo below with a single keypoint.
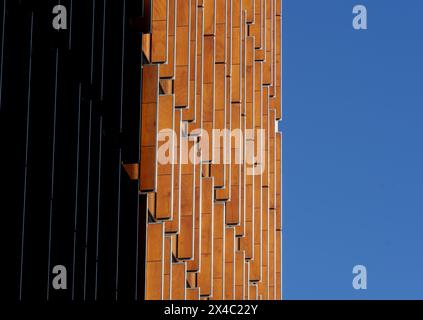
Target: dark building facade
[{"x": 69, "y": 119}]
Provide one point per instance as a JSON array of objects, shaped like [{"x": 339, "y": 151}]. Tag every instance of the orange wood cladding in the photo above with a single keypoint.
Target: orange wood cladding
[{"x": 214, "y": 230}]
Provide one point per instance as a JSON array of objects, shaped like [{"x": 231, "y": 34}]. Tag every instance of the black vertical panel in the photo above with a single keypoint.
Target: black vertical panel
[
  {"x": 81, "y": 39},
  {"x": 40, "y": 166},
  {"x": 71, "y": 72},
  {"x": 13, "y": 113},
  {"x": 110, "y": 163}
]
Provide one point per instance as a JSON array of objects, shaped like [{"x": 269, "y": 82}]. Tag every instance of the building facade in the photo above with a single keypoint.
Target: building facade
[{"x": 142, "y": 158}]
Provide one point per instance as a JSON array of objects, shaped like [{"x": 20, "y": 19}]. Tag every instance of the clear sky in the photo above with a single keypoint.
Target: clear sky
[{"x": 352, "y": 149}]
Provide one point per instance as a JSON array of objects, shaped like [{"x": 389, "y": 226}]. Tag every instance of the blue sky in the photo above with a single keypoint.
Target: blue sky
[{"x": 352, "y": 149}]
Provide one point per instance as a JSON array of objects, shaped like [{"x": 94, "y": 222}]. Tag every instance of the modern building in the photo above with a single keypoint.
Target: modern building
[{"x": 142, "y": 158}]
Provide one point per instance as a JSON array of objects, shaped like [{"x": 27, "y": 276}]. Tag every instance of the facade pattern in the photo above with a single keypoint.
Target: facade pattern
[
  {"x": 214, "y": 226},
  {"x": 87, "y": 115}
]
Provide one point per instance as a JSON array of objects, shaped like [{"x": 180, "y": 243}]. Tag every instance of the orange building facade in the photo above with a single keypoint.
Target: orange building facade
[{"x": 210, "y": 163}]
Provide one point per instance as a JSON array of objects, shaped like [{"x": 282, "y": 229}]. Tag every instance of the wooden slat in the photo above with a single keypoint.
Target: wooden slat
[
  {"x": 209, "y": 17},
  {"x": 218, "y": 250},
  {"x": 178, "y": 281},
  {"x": 239, "y": 275},
  {"x": 194, "y": 264},
  {"x": 167, "y": 70},
  {"x": 154, "y": 262},
  {"x": 205, "y": 276},
  {"x": 229, "y": 263},
  {"x": 165, "y": 167},
  {"x": 167, "y": 268},
  {"x": 173, "y": 225},
  {"x": 159, "y": 25},
  {"x": 183, "y": 15},
  {"x": 149, "y": 114}
]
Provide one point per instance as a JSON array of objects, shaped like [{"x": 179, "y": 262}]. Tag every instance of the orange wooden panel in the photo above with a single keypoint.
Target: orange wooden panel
[
  {"x": 150, "y": 80},
  {"x": 249, "y": 7},
  {"x": 278, "y": 181},
  {"x": 149, "y": 124},
  {"x": 240, "y": 229},
  {"x": 187, "y": 185},
  {"x": 272, "y": 160},
  {"x": 278, "y": 265},
  {"x": 257, "y": 29},
  {"x": 207, "y": 195},
  {"x": 205, "y": 279},
  {"x": 151, "y": 205},
  {"x": 267, "y": 72},
  {"x": 132, "y": 170},
  {"x": 243, "y": 63},
  {"x": 189, "y": 113},
  {"x": 159, "y": 10},
  {"x": 206, "y": 274},
  {"x": 229, "y": 263},
  {"x": 272, "y": 254},
  {"x": 217, "y": 290},
  {"x": 183, "y": 13},
  {"x": 229, "y": 37},
  {"x": 250, "y": 69},
  {"x": 173, "y": 226},
  {"x": 164, "y": 203},
  {"x": 186, "y": 238},
  {"x": 155, "y": 242},
  {"x": 221, "y": 43},
  {"x": 253, "y": 289},
  {"x": 224, "y": 193},
  {"x": 218, "y": 250},
  {"x": 258, "y": 110},
  {"x": 182, "y": 53},
  {"x": 154, "y": 261},
  {"x": 264, "y": 280},
  {"x": 159, "y": 41},
  {"x": 278, "y": 70},
  {"x": 193, "y": 293},
  {"x": 209, "y": 59},
  {"x": 247, "y": 242},
  {"x": 196, "y": 124},
  {"x": 154, "y": 280},
  {"x": 168, "y": 70},
  {"x": 236, "y": 80},
  {"x": 191, "y": 280},
  {"x": 194, "y": 264},
  {"x": 209, "y": 17},
  {"x": 148, "y": 167},
  {"x": 247, "y": 280},
  {"x": 146, "y": 46},
  {"x": 166, "y": 86},
  {"x": 178, "y": 281},
  {"x": 167, "y": 268},
  {"x": 239, "y": 274},
  {"x": 218, "y": 168}
]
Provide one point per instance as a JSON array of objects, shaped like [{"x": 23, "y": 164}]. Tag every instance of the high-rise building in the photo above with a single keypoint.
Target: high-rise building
[{"x": 140, "y": 148}]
